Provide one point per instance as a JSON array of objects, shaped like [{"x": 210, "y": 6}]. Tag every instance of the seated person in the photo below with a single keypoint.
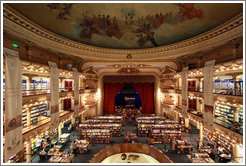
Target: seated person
[
  {"x": 212, "y": 155},
  {"x": 151, "y": 142},
  {"x": 220, "y": 150},
  {"x": 210, "y": 145},
  {"x": 57, "y": 151}
]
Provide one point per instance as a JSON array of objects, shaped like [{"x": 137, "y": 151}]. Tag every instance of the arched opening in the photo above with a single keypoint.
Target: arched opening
[{"x": 128, "y": 97}]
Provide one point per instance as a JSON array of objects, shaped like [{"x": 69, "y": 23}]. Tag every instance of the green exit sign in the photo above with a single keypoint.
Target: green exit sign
[{"x": 15, "y": 45}]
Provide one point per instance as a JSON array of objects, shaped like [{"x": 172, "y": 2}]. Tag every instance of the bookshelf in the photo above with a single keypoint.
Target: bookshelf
[
  {"x": 97, "y": 136},
  {"x": 209, "y": 135},
  {"x": 32, "y": 85},
  {"x": 241, "y": 116},
  {"x": 24, "y": 85},
  {"x": 151, "y": 121},
  {"x": 116, "y": 129},
  {"x": 143, "y": 128},
  {"x": 225, "y": 112},
  {"x": 96, "y": 121},
  {"x": 158, "y": 135},
  {"x": 17, "y": 158},
  {"x": 35, "y": 112},
  {"x": 226, "y": 143}
]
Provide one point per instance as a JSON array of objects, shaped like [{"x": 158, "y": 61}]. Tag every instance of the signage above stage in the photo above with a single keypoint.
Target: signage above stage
[{"x": 129, "y": 79}]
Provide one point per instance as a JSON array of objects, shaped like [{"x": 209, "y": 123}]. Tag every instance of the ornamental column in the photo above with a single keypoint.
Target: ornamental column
[
  {"x": 60, "y": 131},
  {"x": 198, "y": 125},
  {"x": 157, "y": 90},
  {"x": 100, "y": 96},
  {"x": 28, "y": 83},
  {"x": 236, "y": 151},
  {"x": 82, "y": 118},
  {"x": 72, "y": 103},
  {"x": 28, "y": 116},
  {"x": 176, "y": 117},
  {"x": 235, "y": 43},
  {"x": 201, "y": 132},
  {"x": 60, "y": 105},
  {"x": 187, "y": 123},
  {"x": 234, "y": 77},
  {"x": 236, "y": 115},
  {"x": 28, "y": 151}
]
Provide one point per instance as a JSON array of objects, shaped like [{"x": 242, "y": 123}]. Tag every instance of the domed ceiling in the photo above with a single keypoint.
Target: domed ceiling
[{"x": 129, "y": 26}]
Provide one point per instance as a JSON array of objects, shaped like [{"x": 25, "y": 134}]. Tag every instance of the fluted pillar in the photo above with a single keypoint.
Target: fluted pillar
[{"x": 28, "y": 151}]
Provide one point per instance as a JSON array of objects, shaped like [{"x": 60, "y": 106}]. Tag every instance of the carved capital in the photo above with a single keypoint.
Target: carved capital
[{"x": 235, "y": 43}]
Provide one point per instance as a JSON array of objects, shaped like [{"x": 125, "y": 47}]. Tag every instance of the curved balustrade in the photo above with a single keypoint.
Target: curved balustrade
[{"x": 130, "y": 147}]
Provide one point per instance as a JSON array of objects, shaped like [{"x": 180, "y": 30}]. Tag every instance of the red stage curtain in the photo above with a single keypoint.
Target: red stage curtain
[
  {"x": 146, "y": 92},
  {"x": 110, "y": 92}
]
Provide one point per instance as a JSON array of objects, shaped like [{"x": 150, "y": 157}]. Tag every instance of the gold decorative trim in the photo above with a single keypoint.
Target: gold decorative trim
[{"x": 129, "y": 70}]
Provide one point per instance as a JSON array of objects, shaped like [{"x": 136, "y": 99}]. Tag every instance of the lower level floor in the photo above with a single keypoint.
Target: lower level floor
[{"x": 165, "y": 148}]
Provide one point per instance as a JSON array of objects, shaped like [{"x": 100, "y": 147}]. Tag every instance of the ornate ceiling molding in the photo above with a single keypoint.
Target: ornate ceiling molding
[
  {"x": 141, "y": 65},
  {"x": 136, "y": 78},
  {"x": 18, "y": 25},
  {"x": 90, "y": 71},
  {"x": 168, "y": 70},
  {"x": 114, "y": 71}
]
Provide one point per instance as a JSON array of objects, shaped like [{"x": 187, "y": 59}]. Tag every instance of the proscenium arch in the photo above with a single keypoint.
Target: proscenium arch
[{"x": 157, "y": 104}]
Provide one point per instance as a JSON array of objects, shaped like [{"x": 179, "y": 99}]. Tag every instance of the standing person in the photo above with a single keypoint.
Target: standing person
[
  {"x": 173, "y": 144},
  {"x": 38, "y": 145},
  {"x": 124, "y": 116},
  {"x": 197, "y": 142},
  {"x": 129, "y": 119},
  {"x": 151, "y": 141},
  {"x": 165, "y": 144},
  {"x": 92, "y": 139},
  {"x": 149, "y": 134},
  {"x": 74, "y": 147},
  {"x": 133, "y": 117},
  {"x": 48, "y": 140},
  {"x": 42, "y": 143}
]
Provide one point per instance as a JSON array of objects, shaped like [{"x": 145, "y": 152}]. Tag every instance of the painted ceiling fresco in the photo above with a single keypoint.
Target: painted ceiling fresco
[{"x": 129, "y": 26}]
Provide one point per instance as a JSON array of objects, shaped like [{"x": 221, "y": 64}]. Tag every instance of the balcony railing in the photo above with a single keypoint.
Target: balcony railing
[
  {"x": 235, "y": 92},
  {"x": 65, "y": 89},
  {"x": 195, "y": 112},
  {"x": 35, "y": 92},
  {"x": 195, "y": 89},
  {"x": 230, "y": 125}
]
